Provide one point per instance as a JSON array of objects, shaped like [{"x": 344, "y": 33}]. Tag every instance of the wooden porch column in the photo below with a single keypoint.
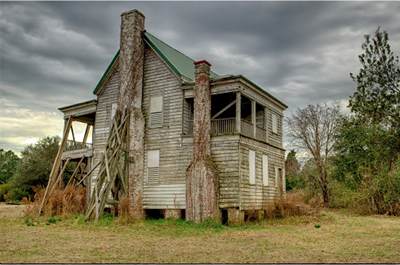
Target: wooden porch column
[
  {"x": 253, "y": 117},
  {"x": 238, "y": 111},
  {"x": 266, "y": 123}
]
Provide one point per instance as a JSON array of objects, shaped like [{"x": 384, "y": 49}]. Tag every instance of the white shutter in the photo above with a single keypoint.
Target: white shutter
[
  {"x": 153, "y": 158},
  {"x": 252, "y": 167},
  {"x": 156, "y": 107},
  {"x": 153, "y": 166},
  {"x": 274, "y": 123},
  {"x": 265, "y": 170},
  {"x": 156, "y": 104},
  {"x": 276, "y": 176}
]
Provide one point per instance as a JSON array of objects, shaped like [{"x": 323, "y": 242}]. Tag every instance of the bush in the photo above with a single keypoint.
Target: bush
[
  {"x": 4, "y": 189},
  {"x": 64, "y": 202},
  {"x": 291, "y": 205},
  {"x": 16, "y": 194},
  {"x": 342, "y": 196}
]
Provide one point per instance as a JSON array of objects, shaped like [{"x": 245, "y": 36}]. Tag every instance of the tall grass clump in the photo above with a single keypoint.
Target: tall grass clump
[{"x": 62, "y": 202}]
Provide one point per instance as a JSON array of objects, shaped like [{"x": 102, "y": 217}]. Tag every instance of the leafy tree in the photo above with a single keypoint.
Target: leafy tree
[
  {"x": 377, "y": 96},
  {"x": 35, "y": 166},
  {"x": 292, "y": 169},
  {"x": 368, "y": 141},
  {"x": 8, "y": 164},
  {"x": 313, "y": 129}
]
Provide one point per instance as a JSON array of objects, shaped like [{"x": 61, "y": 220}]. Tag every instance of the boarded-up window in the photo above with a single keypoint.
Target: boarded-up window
[
  {"x": 274, "y": 123},
  {"x": 252, "y": 167},
  {"x": 156, "y": 108},
  {"x": 265, "y": 170},
  {"x": 153, "y": 166}
]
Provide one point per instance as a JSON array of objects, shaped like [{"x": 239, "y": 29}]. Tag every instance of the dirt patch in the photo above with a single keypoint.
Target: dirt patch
[{"x": 11, "y": 210}]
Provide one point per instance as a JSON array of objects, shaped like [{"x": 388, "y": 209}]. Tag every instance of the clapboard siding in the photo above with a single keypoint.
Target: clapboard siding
[
  {"x": 225, "y": 154},
  {"x": 257, "y": 196},
  {"x": 169, "y": 192},
  {"x": 108, "y": 96},
  {"x": 164, "y": 196}
]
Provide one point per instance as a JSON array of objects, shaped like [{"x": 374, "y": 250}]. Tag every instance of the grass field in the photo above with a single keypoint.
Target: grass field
[{"x": 341, "y": 237}]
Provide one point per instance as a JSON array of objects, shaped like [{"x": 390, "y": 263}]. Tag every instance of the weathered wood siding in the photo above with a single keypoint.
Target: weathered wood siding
[
  {"x": 159, "y": 80},
  {"x": 225, "y": 154},
  {"x": 107, "y": 97},
  {"x": 275, "y": 138},
  {"x": 256, "y": 196}
]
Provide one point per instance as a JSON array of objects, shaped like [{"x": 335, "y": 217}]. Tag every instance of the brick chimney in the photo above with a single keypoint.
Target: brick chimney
[
  {"x": 202, "y": 110},
  {"x": 201, "y": 175},
  {"x": 131, "y": 60}
]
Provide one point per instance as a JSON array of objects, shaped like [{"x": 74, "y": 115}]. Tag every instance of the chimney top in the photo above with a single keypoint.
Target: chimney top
[
  {"x": 202, "y": 62},
  {"x": 131, "y": 12}
]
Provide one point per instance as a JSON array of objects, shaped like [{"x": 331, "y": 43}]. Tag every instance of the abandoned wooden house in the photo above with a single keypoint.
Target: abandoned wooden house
[{"x": 243, "y": 131}]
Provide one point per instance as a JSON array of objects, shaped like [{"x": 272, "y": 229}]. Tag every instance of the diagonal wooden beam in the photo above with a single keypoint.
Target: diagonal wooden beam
[
  {"x": 224, "y": 109},
  {"x": 86, "y": 134}
]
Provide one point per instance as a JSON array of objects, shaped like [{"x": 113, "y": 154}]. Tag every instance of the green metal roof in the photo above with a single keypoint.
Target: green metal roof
[{"x": 179, "y": 63}]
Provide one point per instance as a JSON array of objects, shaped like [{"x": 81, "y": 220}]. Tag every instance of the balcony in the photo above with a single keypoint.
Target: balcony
[
  {"x": 227, "y": 126},
  {"x": 75, "y": 150}
]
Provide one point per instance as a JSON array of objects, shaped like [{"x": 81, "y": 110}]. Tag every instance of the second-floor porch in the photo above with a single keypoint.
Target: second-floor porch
[{"x": 234, "y": 113}]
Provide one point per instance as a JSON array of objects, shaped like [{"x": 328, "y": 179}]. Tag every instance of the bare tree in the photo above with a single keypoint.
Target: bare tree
[{"x": 313, "y": 129}]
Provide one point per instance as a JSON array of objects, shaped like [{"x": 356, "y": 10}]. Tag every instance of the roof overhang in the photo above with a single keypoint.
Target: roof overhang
[
  {"x": 241, "y": 80},
  {"x": 80, "y": 110}
]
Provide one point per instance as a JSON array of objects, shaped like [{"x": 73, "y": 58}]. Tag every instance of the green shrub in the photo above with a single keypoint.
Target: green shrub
[
  {"x": 4, "y": 189},
  {"x": 16, "y": 194},
  {"x": 342, "y": 196},
  {"x": 53, "y": 220}
]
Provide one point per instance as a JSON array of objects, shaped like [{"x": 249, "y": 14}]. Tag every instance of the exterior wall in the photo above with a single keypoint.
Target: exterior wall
[
  {"x": 108, "y": 96},
  {"x": 169, "y": 192},
  {"x": 257, "y": 196},
  {"x": 225, "y": 154},
  {"x": 273, "y": 138}
]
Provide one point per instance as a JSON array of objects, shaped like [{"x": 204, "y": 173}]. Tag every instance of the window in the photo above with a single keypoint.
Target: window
[
  {"x": 252, "y": 167},
  {"x": 113, "y": 110},
  {"x": 153, "y": 166},
  {"x": 265, "y": 170},
  {"x": 156, "y": 108},
  {"x": 275, "y": 123}
]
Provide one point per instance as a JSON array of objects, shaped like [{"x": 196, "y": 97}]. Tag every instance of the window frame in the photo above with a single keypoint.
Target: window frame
[{"x": 155, "y": 108}]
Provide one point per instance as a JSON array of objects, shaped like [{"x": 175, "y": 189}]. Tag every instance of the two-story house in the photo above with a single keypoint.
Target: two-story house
[{"x": 246, "y": 132}]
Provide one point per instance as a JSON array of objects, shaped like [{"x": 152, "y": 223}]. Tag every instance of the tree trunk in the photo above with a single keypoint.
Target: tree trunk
[{"x": 202, "y": 182}]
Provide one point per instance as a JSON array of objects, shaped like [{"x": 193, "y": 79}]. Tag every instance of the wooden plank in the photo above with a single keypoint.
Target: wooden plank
[{"x": 224, "y": 109}]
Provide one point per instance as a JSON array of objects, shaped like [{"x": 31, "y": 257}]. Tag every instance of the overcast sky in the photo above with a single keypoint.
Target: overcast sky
[{"x": 53, "y": 54}]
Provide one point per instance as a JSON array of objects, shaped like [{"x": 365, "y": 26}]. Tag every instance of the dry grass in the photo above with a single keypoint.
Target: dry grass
[
  {"x": 342, "y": 237},
  {"x": 63, "y": 202}
]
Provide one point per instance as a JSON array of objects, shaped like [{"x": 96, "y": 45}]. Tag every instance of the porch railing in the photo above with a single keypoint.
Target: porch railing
[
  {"x": 223, "y": 126},
  {"x": 228, "y": 126},
  {"x": 70, "y": 145}
]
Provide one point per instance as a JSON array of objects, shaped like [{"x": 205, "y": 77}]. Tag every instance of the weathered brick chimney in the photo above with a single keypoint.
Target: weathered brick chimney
[
  {"x": 131, "y": 60},
  {"x": 202, "y": 182}
]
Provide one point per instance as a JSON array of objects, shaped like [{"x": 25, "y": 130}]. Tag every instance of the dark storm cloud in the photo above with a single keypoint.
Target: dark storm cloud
[{"x": 53, "y": 53}]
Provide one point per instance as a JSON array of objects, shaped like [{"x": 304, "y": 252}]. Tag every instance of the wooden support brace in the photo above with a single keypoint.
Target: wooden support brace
[{"x": 224, "y": 109}]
